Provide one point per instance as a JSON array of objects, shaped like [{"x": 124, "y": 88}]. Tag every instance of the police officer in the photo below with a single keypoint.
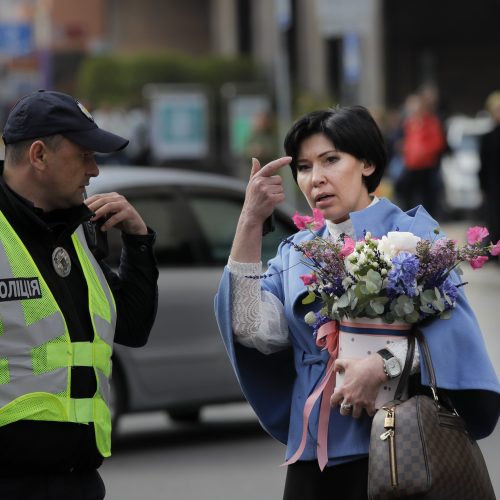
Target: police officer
[{"x": 60, "y": 308}]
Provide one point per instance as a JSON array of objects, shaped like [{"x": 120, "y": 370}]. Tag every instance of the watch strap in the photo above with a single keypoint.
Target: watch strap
[{"x": 386, "y": 354}]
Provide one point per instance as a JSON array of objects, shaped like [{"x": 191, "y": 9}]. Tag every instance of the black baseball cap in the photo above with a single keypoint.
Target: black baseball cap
[{"x": 45, "y": 112}]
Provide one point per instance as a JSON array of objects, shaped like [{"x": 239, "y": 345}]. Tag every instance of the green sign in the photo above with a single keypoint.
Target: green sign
[{"x": 179, "y": 125}]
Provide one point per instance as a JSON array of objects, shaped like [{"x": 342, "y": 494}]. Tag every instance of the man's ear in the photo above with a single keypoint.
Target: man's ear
[{"x": 37, "y": 154}]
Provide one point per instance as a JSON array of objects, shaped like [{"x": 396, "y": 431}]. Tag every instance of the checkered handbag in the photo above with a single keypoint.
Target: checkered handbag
[{"x": 421, "y": 449}]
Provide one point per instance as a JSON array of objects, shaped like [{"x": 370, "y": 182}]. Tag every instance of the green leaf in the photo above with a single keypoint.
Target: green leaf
[
  {"x": 370, "y": 313},
  {"x": 424, "y": 308},
  {"x": 374, "y": 277},
  {"x": 445, "y": 314},
  {"x": 439, "y": 304},
  {"x": 343, "y": 301},
  {"x": 406, "y": 304},
  {"x": 309, "y": 298},
  {"x": 412, "y": 317},
  {"x": 377, "y": 307},
  {"x": 371, "y": 287},
  {"x": 389, "y": 317},
  {"x": 427, "y": 297}
]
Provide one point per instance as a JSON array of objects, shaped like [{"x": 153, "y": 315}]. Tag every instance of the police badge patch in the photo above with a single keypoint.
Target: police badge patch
[{"x": 61, "y": 262}]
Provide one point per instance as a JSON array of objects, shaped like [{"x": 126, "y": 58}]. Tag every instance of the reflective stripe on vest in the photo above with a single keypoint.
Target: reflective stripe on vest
[{"x": 36, "y": 352}]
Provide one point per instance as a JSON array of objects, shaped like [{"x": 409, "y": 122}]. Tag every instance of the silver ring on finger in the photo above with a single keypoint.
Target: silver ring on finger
[{"x": 347, "y": 407}]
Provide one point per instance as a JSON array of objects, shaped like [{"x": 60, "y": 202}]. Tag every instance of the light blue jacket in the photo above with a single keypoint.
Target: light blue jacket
[{"x": 277, "y": 385}]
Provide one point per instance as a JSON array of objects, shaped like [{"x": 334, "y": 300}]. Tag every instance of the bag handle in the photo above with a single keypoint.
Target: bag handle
[
  {"x": 403, "y": 379},
  {"x": 425, "y": 352}
]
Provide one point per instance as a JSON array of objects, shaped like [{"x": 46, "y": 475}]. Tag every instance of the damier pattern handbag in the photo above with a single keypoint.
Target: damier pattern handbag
[{"x": 420, "y": 448}]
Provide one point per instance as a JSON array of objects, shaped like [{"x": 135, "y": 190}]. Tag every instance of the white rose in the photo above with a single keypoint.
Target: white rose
[{"x": 396, "y": 242}]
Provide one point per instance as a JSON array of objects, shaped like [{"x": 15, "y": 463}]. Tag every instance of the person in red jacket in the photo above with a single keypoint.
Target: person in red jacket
[{"x": 423, "y": 145}]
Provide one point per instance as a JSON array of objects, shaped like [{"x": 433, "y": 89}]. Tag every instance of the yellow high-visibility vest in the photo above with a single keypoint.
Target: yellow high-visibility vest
[{"x": 36, "y": 351}]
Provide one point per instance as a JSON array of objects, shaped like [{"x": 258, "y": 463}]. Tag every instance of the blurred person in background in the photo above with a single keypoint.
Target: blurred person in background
[
  {"x": 489, "y": 172},
  {"x": 61, "y": 306},
  {"x": 423, "y": 144},
  {"x": 338, "y": 158},
  {"x": 393, "y": 135},
  {"x": 433, "y": 102}
]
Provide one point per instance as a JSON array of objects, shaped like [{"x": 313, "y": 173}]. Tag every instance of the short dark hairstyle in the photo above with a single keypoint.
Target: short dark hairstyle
[
  {"x": 14, "y": 153},
  {"x": 351, "y": 129}
]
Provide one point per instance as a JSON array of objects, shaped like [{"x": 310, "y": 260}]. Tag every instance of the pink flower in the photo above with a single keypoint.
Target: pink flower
[
  {"x": 478, "y": 262},
  {"x": 495, "y": 249},
  {"x": 308, "y": 279},
  {"x": 308, "y": 222},
  {"x": 319, "y": 220},
  {"x": 348, "y": 247},
  {"x": 476, "y": 234},
  {"x": 298, "y": 220}
]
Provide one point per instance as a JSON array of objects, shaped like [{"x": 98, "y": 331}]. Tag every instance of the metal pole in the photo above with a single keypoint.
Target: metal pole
[
  {"x": 282, "y": 88},
  {"x": 43, "y": 31}
]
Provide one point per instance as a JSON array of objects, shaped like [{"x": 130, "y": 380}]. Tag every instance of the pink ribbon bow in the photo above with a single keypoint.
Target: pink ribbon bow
[{"x": 327, "y": 338}]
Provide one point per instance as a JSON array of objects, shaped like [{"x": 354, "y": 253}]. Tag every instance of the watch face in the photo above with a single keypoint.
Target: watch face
[{"x": 393, "y": 367}]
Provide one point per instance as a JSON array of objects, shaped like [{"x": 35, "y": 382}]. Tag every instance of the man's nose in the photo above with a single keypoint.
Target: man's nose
[{"x": 93, "y": 168}]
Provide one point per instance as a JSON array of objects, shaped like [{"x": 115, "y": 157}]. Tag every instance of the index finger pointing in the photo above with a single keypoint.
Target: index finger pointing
[{"x": 273, "y": 166}]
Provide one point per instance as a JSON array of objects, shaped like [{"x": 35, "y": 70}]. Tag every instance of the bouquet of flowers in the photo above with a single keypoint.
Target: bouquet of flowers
[{"x": 399, "y": 277}]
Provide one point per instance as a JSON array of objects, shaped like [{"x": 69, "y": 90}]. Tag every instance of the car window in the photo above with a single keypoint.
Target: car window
[
  {"x": 217, "y": 217},
  {"x": 283, "y": 228},
  {"x": 175, "y": 245}
]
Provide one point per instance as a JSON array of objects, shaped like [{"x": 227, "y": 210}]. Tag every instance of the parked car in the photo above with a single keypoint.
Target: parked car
[
  {"x": 460, "y": 166},
  {"x": 184, "y": 365}
]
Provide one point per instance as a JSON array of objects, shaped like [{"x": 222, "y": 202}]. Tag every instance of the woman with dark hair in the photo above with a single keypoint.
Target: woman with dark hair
[{"x": 337, "y": 158}]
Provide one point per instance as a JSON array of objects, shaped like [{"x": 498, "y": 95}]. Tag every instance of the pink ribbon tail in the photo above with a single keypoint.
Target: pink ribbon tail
[
  {"x": 324, "y": 415},
  {"x": 324, "y": 389}
]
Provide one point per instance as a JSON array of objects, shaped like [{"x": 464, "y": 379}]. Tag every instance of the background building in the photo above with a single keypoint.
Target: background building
[{"x": 371, "y": 51}]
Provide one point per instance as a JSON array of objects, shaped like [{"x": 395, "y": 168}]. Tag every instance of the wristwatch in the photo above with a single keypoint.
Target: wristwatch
[{"x": 392, "y": 366}]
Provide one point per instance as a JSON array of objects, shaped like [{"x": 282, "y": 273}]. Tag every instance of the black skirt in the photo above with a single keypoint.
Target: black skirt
[{"x": 305, "y": 481}]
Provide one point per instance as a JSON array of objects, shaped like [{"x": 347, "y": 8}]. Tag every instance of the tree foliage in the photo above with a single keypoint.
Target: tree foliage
[{"x": 120, "y": 79}]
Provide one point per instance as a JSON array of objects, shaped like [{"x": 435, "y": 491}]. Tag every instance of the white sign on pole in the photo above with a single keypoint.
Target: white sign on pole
[
  {"x": 179, "y": 124},
  {"x": 337, "y": 17},
  {"x": 283, "y": 14},
  {"x": 351, "y": 58}
]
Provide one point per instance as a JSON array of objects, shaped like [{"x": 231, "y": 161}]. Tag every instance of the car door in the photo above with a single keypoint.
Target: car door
[{"x": 177, "y": 348}]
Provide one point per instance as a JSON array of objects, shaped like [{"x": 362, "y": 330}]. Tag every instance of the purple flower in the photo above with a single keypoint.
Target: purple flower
[
  {"x": 450, "y": 289},
  {"x": 336, "y": 288},
  {"x": 320, "y": 320},
  {"x": 403, "y": 275}
]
